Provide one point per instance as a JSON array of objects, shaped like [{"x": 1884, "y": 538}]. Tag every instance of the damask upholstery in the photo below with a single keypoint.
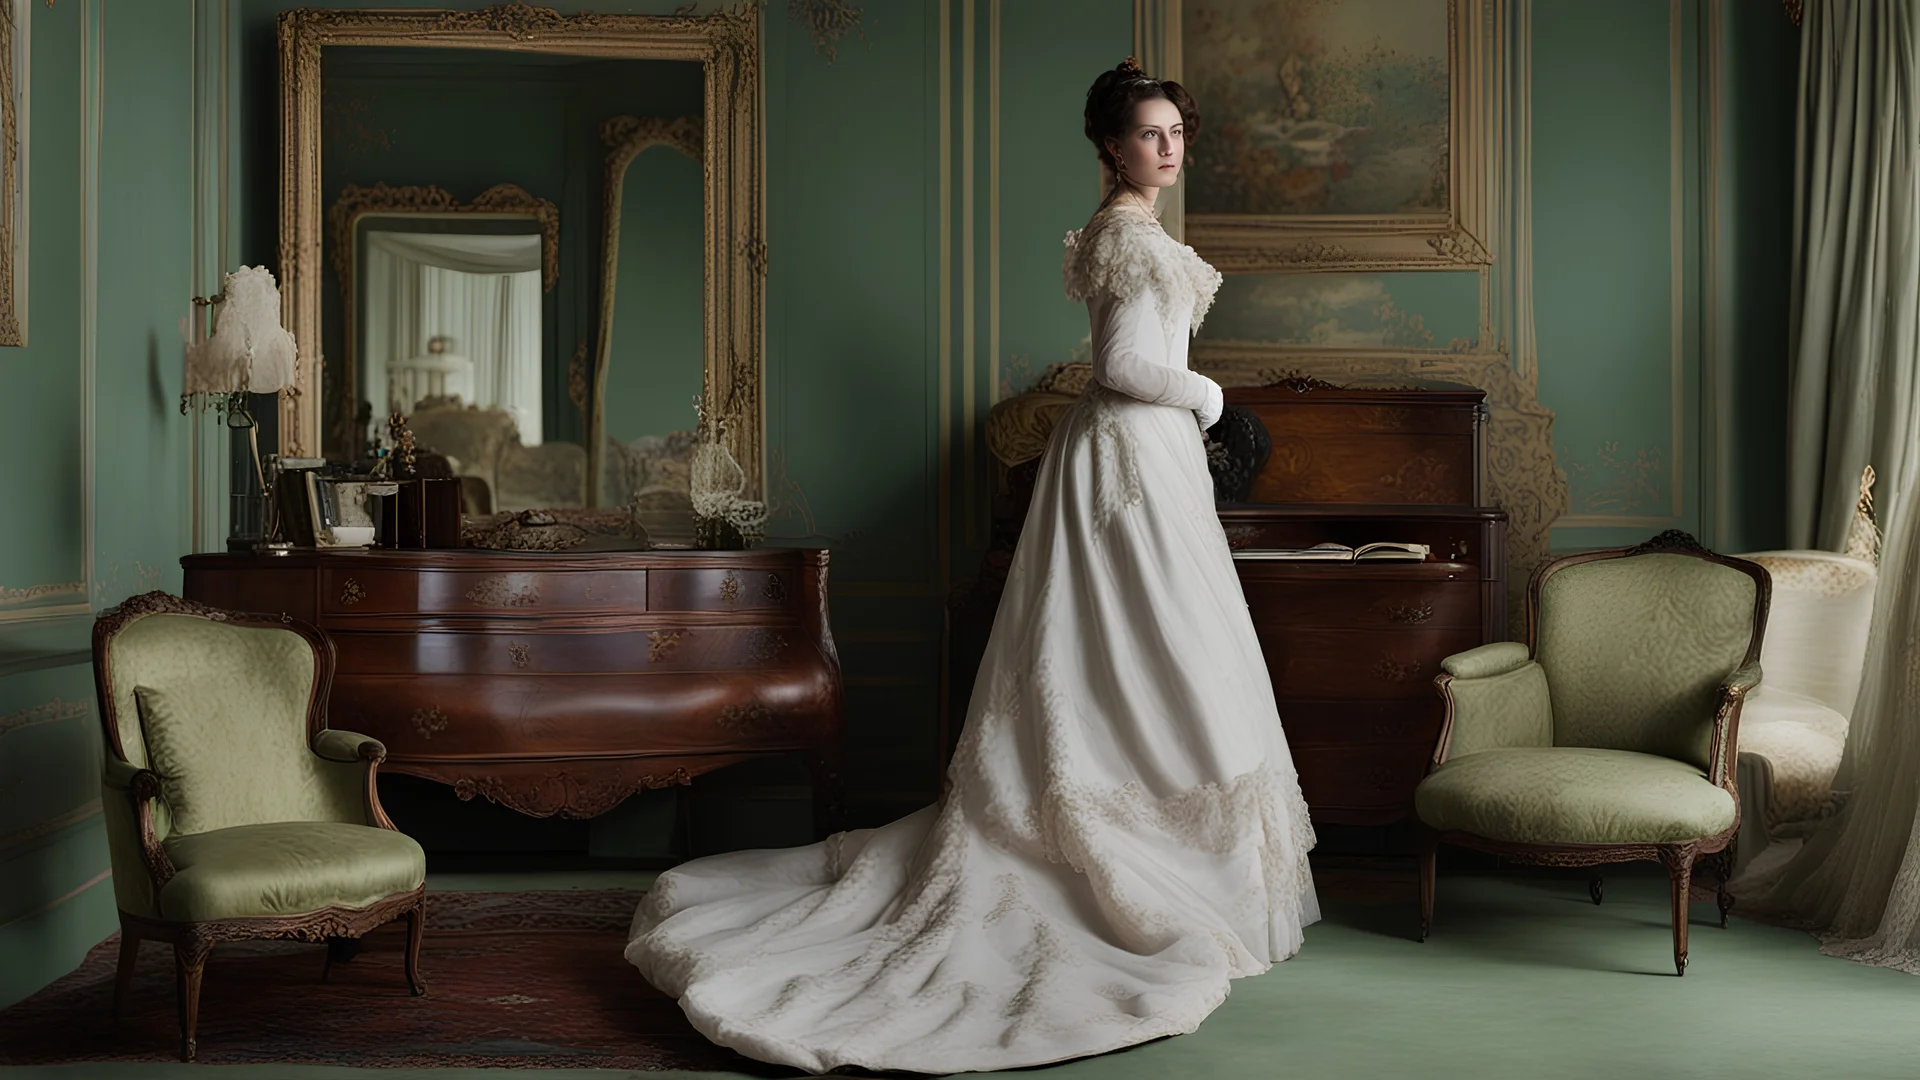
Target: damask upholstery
[
  {"x": 1573, "y": 795},
  {"x": 231, "y": 810},
  {"x": 286, "y": 868},
  {"x": 1635, "y": 650},
  {"x": 1609, "y": 736}
]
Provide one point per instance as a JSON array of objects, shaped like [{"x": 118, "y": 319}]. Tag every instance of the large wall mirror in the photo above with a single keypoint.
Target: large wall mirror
[{"x": 536, "y": 236}]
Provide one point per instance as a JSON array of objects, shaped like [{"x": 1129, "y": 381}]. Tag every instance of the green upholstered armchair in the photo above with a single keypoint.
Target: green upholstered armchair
[
  {"x": 1610, "y": 735},
  {"x": 232, "y": 811}
]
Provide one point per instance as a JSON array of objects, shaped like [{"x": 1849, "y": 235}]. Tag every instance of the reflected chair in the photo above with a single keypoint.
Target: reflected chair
[
  {"x": 232, "y": 810},
  {"x": 1611, "y": 735}
]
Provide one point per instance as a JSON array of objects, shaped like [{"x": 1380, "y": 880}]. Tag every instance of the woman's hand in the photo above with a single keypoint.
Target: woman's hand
[{"x": 1209, "y": 413}]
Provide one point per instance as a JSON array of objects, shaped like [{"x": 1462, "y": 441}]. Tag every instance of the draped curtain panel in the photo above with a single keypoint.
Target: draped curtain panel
[
  {"x": 1857, "y": 879},
  {"x": 483, "y": 292},
  {"x": 1856, "y": 264}
]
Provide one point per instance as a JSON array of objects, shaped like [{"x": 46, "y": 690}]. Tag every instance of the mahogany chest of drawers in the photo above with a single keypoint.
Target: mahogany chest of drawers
[{"x": 560, "y": 684}]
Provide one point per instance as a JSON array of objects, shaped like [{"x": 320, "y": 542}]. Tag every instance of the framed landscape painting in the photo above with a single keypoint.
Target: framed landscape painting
[{"x": 1335, "y": 134}]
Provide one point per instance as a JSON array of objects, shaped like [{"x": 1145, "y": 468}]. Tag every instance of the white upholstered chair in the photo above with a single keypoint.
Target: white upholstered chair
[{"x": 1794, "y": 727}]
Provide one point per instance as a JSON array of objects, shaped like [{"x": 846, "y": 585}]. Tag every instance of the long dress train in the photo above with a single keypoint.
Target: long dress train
[{"x": 1121, "y": 831}]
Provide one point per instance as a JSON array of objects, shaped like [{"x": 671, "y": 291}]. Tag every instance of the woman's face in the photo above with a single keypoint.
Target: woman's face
[{"x": 1151, "y": 151}]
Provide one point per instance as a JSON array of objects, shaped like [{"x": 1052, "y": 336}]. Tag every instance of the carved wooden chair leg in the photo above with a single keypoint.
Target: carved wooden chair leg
[
  {"x": 1429, "y": 846},
  {"x": 123, "y": 975},
  {"x": 1678, "y": 859},
  {"x": 1724, "y": 900},
  {"x": 340, "y": 950},
  {"x": 416, "y": 929},
  {"x": 1596, "y": 888},
  {"x": 189, "y": 964}
]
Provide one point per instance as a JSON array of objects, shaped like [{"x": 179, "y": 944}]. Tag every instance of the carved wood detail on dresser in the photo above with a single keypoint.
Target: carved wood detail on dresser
[
  {"x": 562, "y": 684},
  {"x": 1353, "y": 647}
]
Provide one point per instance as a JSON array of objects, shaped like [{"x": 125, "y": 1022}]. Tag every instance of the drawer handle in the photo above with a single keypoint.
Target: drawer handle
[
  {"x": 776, "y": 590},
  {"x": 1410, "y": 613},
  {"x": 729, "y": 588},
  {"x": 351, "y": 593},
  {"x": 661, "y": 643},
  {"x": 1390, "y": 670},
  {"x": 522, "y": 655}
]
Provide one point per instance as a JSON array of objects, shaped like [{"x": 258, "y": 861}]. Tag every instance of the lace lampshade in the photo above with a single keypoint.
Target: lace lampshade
[{"x": 249, "y": 350}]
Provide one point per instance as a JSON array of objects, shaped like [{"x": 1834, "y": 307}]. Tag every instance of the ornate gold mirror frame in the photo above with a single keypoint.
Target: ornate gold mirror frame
[
  {"x": 356, "y": 202},
  {"x": 727, "y": 46},
  {"x": 625, "y": 137}
]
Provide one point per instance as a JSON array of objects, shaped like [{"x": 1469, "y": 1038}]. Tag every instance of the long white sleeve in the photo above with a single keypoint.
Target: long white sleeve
[{"x": 1130, "y": 354}]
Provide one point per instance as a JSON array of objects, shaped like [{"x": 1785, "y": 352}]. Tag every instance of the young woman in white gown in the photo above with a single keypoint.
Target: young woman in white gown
[{"x": 1121, "y": 830}]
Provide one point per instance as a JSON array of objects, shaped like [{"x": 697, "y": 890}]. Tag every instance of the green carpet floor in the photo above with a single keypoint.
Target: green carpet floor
[{"x": 1523, "y": 977}]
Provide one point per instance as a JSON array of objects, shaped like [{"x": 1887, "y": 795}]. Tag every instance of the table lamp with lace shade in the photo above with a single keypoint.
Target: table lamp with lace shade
[{"x": 248, "y": 352}]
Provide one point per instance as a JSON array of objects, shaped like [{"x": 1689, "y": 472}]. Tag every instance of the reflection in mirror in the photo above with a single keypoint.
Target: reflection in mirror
[
  {"x": 652, "y": 322},
  {"x": 461, "y": 302},
  {"x": 449, "y": 320},
  {"x": 474, "y": 300}
]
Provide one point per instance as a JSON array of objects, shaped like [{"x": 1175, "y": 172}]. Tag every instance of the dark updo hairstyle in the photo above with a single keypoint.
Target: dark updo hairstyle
[{"x": 1111, "y": 101}]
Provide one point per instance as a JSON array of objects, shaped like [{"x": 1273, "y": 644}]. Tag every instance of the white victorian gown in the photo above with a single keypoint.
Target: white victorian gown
[{"x": 1121, "y": 830}]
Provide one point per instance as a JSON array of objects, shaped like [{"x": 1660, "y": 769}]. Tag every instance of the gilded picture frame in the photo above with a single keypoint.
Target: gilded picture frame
[
  {"x": 1450, "y": 238},
  {"x": 16, "y": 39},
  {"x": 727, "y": 46}
]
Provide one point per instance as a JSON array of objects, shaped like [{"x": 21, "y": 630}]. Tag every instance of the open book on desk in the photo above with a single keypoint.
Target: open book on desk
[{"x": 1386, "y": 551}]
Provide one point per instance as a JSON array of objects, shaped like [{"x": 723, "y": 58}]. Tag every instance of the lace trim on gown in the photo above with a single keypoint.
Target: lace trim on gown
[{"x": 1124, "y": 252}]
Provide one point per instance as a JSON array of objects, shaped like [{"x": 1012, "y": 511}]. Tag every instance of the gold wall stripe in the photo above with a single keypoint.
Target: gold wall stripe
[
  {"x": 945, "y": 509},
  {"x": 1717, "y": 392},
  {"x": 1677, "y": 240},
  {"x": 993, "y": 202}
]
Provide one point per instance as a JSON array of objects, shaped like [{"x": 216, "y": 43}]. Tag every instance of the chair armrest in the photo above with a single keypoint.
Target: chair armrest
[
  {"x": 350, "y": 750},
  {"x": 142, "y": 787},
  {"x": 1496, "y": 658},
  {"x": 1508, "y": 707},
  {"x": 1726, "y": 724},
  {"x": 336, "y": 745},
  {"x": 125, "y": 776}
]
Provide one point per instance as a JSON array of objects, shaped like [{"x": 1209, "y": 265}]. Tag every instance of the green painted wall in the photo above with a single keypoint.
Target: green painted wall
[
  {"x": 92, "y": 404},
  {"x": 918, "y": 187},
  {"x": 1662, "y": 337}
]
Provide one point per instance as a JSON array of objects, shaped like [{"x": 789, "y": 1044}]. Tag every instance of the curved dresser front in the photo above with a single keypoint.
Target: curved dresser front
[{"x": 561, "y": 684}]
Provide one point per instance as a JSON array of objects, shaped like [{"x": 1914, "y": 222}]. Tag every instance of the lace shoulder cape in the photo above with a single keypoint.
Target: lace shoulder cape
[{"x": 1124, "y": 252}]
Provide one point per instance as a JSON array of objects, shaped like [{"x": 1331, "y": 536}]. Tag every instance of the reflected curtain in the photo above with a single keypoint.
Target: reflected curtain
[
  {"x": 1857, "y": 879},
  {"x": 481, "y": 291}
]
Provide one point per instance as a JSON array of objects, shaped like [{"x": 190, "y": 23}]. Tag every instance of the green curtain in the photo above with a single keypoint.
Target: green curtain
[
  {"x": 1857, "y": 878},
  {"x": 1856, "y": 264}
]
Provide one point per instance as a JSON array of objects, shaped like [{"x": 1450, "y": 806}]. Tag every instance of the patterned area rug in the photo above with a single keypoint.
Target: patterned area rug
[{"x": 531, "y": 979}]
